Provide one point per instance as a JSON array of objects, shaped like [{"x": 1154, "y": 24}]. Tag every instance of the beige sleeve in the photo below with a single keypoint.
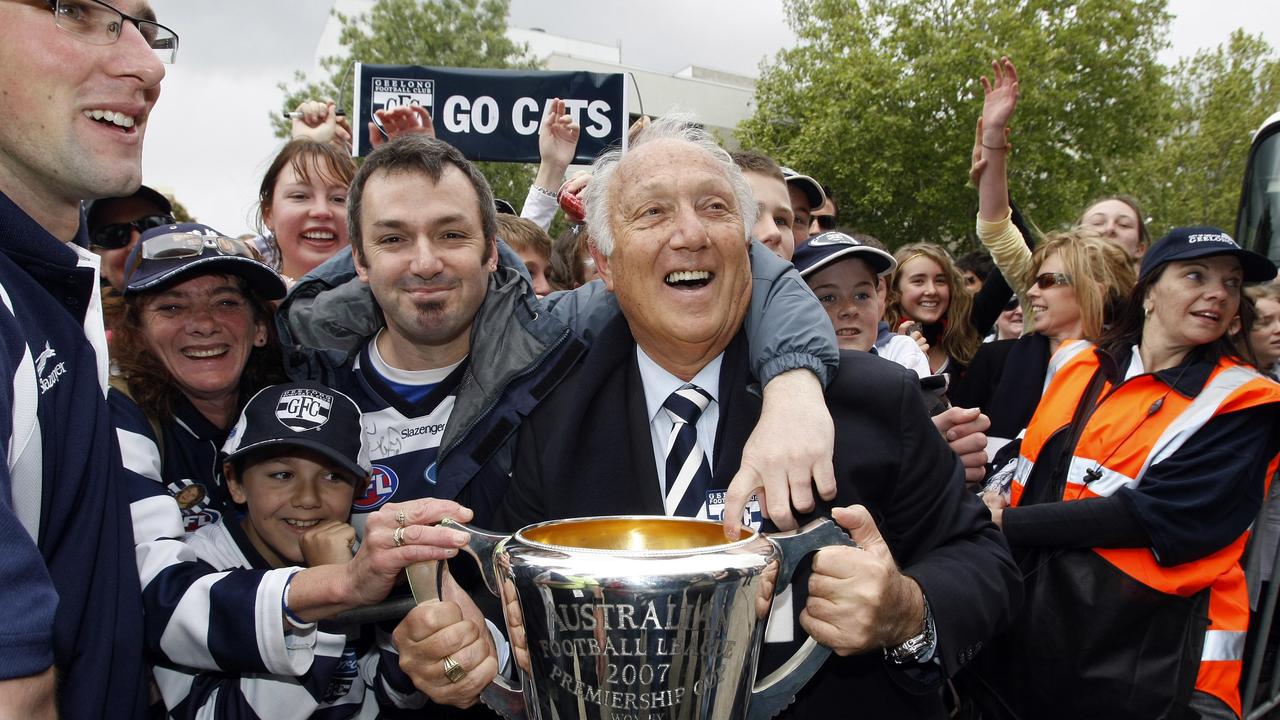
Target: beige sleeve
[{"x": 1008, "y": 250}]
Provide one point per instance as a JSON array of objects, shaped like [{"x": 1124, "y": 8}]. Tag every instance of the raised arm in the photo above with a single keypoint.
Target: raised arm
[
  {"x": 1000, "y": 99},
  {"x": 557, "y": 145}
]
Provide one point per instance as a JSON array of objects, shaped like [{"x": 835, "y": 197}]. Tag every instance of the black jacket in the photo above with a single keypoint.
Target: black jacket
[{"x": 586, "y": 451}]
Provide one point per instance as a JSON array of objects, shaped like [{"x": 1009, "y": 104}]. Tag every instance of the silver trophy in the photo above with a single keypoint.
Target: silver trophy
[{"x": 641, "y": 617}]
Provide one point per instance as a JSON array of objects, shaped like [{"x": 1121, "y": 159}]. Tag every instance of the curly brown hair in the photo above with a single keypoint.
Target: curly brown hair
[{"x": 150, "y": 384}]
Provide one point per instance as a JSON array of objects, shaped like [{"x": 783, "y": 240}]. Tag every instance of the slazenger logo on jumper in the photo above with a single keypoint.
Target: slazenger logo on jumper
[
  {"x": 302, "y": 409},
  {"x": 1211, "y": 237},
  {"x": 42, "y": 363},
  {"x": 435, "y": 429},
  {"x": 389, "y": 93}
]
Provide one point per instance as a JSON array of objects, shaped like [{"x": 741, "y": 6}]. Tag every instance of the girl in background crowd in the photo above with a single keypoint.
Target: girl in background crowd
[
  {"x": 303, "y": 206},
  {"x": 1266, "y": 326},
  {"x": 1137, "y": 481},
  {"x": 1118, "y": 218},
  {"x": 927, "y": 288}
]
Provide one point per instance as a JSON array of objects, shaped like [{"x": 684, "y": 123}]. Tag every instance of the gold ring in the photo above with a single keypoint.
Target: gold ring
[
  {"x": 397, "y": 537},
  {"x": 453, "y": 670},
  {"x": 401, "y": 520}
]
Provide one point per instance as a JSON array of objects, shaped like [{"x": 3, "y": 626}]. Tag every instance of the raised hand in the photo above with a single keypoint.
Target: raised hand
[
  {"x": 402, "y": 120},
  {"x": 1000, "y": 99},
  {"x": 319, "y": 120},
  {"x": 558, "y": 136}
]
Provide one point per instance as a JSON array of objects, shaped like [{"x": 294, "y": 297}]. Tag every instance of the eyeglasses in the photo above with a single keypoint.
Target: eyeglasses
[
  {"x": 1044, "y": 281},
  {"x": 97, "y": 23},
  {"x": 118, "y": 235},
  {"x": 173, "y": 246},
  {"x": 1013, "y": 303},
  {"x": 825, "y": 222}
]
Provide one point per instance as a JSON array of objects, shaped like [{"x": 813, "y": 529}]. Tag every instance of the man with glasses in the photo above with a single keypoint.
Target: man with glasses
[
  {"x": 116, "y": 223},
  {"x": 78, "y": 80},
  {"x": 826, "y": 216}
]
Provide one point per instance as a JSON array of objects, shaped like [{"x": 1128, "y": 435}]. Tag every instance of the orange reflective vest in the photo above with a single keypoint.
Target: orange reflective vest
[{"x": 1121, "y": 439}]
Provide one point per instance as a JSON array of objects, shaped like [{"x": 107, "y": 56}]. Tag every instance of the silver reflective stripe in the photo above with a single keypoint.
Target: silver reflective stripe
[
  {"x": 26, "y": 460},
  {"x": 1196, "y": 414},
  {"x": 1108, "y": 480},
  {"x": 1062, "y": 357},
  {"x": 1223, "y": 646},
  {"x": 1022, "y": 471}
]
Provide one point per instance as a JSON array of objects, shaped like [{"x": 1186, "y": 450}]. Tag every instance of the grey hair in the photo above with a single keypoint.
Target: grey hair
[{"x": 674, "y": 126}]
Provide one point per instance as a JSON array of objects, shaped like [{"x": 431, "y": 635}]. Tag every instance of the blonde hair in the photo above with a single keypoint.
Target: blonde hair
[
  {"x": 1101, "y": 274},
  {"x": 960, "y": 340},
  {"x": 1264, "y": 291}
]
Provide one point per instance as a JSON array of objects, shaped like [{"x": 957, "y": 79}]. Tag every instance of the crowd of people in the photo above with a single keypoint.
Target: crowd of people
[{"x": 220, "y": 450}]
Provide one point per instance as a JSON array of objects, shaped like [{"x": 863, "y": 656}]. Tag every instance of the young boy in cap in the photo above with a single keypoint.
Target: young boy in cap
[
  {"x": 295, "y": 462},
  {"x": 846, "y": 275}
]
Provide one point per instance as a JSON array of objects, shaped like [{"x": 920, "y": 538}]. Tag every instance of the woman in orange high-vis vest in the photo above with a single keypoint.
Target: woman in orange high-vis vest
[{"x": 1137, "y": 480}]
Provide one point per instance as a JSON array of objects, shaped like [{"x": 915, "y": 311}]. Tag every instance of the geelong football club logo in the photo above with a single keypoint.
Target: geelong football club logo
[
  {"x": 391, "y": 93},
  {"x": 382, "y": 485},
  {"x": 302, "y": 409}
]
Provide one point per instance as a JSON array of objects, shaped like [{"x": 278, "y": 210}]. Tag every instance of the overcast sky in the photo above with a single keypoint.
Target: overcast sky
[{"x": 209, "y": 140}]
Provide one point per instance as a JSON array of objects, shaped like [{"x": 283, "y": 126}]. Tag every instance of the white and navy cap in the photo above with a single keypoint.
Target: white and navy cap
[
  {"x": 811, "y": 188},
  {"x": 826, "y": 248},
  {"x": 307, "y": 415},
  {"x": 1187, "y": 243}
]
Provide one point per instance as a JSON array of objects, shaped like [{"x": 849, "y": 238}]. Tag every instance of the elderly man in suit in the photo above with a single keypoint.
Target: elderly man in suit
[{"x": 655, "y": 417}]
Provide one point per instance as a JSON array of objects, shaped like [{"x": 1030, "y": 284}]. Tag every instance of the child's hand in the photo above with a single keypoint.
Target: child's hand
[{"x": 329, "y": 543}]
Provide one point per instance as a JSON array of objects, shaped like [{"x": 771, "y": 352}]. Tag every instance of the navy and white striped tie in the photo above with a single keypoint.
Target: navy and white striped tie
[{"x": 688, "y": 473}]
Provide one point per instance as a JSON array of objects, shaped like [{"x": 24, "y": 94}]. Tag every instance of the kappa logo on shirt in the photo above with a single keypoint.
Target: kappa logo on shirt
[{"x": 50, "y": 379}]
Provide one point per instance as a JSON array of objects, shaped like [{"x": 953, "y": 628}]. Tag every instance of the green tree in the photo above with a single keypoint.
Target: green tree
[
  {"x": 1220, "y": 97},
  {"x": 880, "y": 98},
  {"x": 443, "y": 33}
]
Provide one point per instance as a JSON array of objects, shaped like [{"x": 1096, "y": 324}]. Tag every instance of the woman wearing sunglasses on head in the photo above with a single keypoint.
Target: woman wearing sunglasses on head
[
  {"x": 1129, "y": 506},
  {"x": 195, "y": 339}
]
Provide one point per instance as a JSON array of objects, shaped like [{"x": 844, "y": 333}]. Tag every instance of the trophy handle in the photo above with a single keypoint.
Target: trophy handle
[
  {"x": 501, "y": 695},
  {"x": 775, "y": 692}
]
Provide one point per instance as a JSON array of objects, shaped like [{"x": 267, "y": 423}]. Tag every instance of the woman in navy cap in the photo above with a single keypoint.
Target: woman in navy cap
[
  {"x": 1137, "y": 481},
  {"x": 193, "y": 343}
]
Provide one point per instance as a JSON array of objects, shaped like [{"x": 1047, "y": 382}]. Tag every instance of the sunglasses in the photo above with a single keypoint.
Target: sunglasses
[
  {"x": 118, "y": 235},
  {"x": 825, "y": 222},
  {"x": 1012, "y": 304},
  {"x": 1044, "y": 281},
  {"x": 172, "y": 246}
]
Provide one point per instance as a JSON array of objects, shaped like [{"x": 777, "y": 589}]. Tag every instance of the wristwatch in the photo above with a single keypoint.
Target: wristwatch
[{"x": 918, "y": 648}]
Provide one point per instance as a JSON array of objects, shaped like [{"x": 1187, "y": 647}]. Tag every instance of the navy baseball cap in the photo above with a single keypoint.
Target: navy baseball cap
[
  {"x": 1187, "y": 243},
  {"x": 172, "y": 253},
  {"x": 810, "y": 187},
  {"x": 93, "y": 208},
  {"x": 307, "y": 415},
  {"x": 828, "y": 247}
]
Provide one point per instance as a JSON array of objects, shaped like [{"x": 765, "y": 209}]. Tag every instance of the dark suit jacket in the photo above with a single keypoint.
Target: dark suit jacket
[{"x": 586, "y": 451}]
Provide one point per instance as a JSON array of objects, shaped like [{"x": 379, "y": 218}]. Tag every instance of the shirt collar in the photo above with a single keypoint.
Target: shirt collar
[
  {"x": 1188, "y": 377},
  {"x": 659, "y": 384}
]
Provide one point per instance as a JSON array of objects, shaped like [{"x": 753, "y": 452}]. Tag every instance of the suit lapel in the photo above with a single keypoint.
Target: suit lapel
[
  {"x": 739, "y": 410},
  {"x": 644, "y": 470}
]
